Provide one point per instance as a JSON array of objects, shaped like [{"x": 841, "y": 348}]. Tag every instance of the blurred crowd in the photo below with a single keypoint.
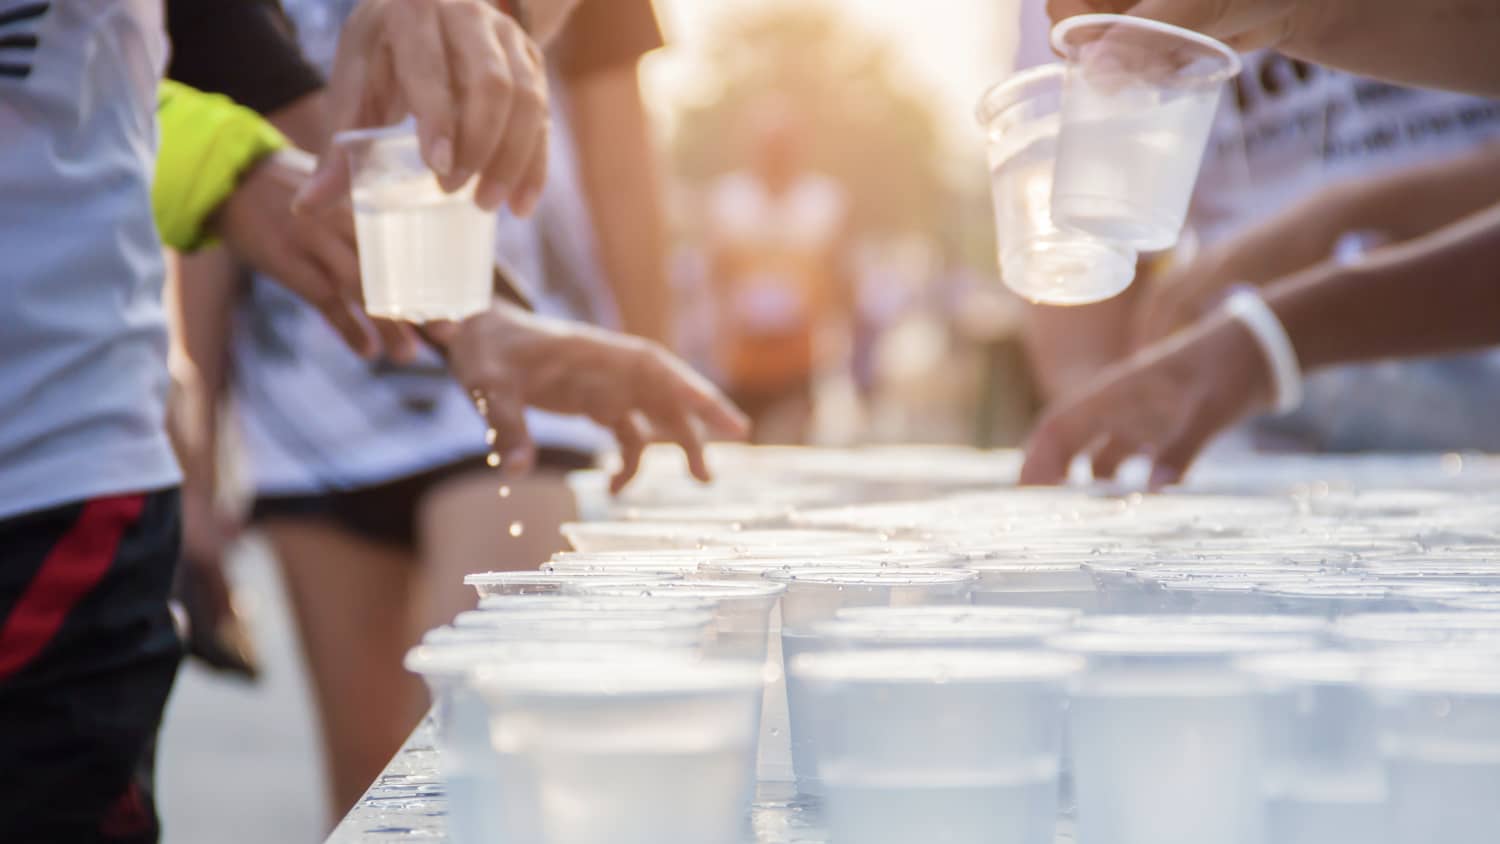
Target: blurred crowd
[{"x": 828, "y": 291}]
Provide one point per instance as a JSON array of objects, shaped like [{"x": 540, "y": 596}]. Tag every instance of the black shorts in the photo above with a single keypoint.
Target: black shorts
[
  {"x": 88, "y": 652},
  {"x": 386, "y": 513}
]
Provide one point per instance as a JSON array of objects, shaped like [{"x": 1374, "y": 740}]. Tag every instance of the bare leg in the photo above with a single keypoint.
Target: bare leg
[
  {"x": 464, "y": 526},
  {"x": 351, "y": 599}
]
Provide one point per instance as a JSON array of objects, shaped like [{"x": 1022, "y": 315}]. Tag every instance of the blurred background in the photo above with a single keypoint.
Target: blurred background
[{"x": 875, "y": 315}]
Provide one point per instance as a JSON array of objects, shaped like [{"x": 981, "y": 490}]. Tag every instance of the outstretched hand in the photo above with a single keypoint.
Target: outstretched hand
[
  {"x": 1166, "y": 403},
  {"x": 508, "y": 360}
]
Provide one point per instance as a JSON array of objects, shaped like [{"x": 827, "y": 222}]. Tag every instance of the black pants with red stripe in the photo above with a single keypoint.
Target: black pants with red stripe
[{"x": 88, "y": 652}]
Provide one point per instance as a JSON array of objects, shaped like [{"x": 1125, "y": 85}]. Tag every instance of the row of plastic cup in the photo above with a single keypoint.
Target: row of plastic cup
[
  {"x": 1094, "y": 159},
  {"x": 1192, "y": 731}
]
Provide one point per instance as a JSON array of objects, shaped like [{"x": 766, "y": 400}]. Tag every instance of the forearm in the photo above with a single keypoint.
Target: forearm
[
  {"x": 617, "y": 161},
  {"x": 200, "y": 301},
  {"x": 1439, "y": 294},
  {"x": 1067, "y": 347},
  {"x": 1431, "y": 43}
]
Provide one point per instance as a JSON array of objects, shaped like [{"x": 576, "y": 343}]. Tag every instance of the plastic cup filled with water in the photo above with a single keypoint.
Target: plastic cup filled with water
[
  {"x": 1039, "y": 260},
  {"x": 1323, "y": 779},
  {"x": 1439, "y": 723},
  {"x": 552, "y": 582},
  {"x": 962, "y": 747},
  {"x": 471, "y": 775},
  {"x": 629, "y": 752},
  {"x": 775, "y": 744},
  {"x": 1166, "y": 737},
  {"x": 424, "y": 254},
  {"x": 815, "y": 595},
  {"x": 1138, "y": 106}
]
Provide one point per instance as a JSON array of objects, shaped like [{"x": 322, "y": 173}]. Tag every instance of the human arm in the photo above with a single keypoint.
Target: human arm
[
  {"x": 1435, "y": 295},
  {"x": 1068, "y": 346},
  {"x": 222, "y": 171},
  {"x": 598, "y": 55},
  {"x": 1429, "y": 43},
  {"x": 508, "y": 359},
  {"x": 470, "y": 75},
  {"x": 1398, "y": 207}
]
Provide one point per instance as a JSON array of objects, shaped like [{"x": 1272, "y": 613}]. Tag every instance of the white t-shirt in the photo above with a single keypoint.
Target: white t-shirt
[
  {"x": 83, "y": 345},
  {"x": 375, "y": 423}
]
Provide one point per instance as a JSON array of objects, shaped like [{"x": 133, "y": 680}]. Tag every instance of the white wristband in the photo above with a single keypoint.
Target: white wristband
[{"x": 1245, "y": 305}]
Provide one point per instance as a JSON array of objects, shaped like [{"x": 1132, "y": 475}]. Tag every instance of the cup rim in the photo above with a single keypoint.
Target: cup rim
[
  {"x": 500, "y": 578},
  {"x": 709, "y": 590},
  {"x": 645, "y": 677},
  {"x": 406, "y": 129},
  {"x": 664, "y": 620},
  {"x": 1066, "y": 27},
  {"x": 1005, "y": 94}
]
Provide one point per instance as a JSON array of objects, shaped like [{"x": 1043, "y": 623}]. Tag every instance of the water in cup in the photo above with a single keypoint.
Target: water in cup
[
  {"x": 424, "y": 254},
  {"x": 1138, "y": 107}
]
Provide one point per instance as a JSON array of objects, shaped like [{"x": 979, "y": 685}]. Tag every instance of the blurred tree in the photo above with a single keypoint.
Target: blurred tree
[{"x": 867, "y": 125}]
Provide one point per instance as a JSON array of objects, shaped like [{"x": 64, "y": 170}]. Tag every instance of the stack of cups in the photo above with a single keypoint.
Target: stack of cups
[{"x": 1093, "y": 160}]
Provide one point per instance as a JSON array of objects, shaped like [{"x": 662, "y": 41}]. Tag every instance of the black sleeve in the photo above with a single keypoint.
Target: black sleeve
[
  {"x": 244, "y": 49},
  {"x": 607, "y": 34}
]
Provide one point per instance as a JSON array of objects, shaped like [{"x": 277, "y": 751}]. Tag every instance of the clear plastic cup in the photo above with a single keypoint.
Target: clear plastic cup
[
  {"x": 1166, "y": 737},
  {"x": 814, "y": 595},
  {"x": 551, "y": 582},
  {"x": 1323, "y": 776},
  {"x": 742, "y": 621},
  {"x": 1040, "y": 261},
  {"x": 1138, "y": 106},
  {"x": 471, "y": 773},
  {"x": 629, "y": 752},
  {"x": 775, "y": 743},
  {"x": 423, "y": 254},
  {"x": 962, "y": 747},
  {"x": 1439, "y": 727}
]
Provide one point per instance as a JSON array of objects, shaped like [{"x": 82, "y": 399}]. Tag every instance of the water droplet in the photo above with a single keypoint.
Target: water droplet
[
  {"x": 493, "y": 460},
  {"x": 516, "y": 528},
  {"x": 505, "y": 491}
]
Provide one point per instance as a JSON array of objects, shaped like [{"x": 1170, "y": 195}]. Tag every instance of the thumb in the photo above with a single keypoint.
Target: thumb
[{"x": 328, "y": 185}]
